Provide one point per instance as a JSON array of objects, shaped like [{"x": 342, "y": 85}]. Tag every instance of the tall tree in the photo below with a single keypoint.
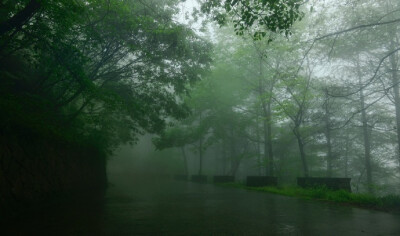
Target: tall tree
[{"x": 109, "y": 69}]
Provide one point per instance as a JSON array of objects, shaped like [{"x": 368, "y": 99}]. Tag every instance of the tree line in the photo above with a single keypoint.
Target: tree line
[{"x": 322, "y": 100}]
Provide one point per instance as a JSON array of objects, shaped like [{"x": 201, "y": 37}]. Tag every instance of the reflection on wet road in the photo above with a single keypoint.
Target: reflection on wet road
[{"x": 184, "y": 208}]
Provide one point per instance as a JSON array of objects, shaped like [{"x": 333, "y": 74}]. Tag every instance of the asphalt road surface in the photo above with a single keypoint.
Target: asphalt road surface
[{"x": 162, "y": 207}]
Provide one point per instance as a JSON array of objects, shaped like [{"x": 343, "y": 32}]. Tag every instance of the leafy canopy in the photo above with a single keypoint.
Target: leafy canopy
[
  {"x": 259, "y": 17},
  {"x": 97, "y": 69}
]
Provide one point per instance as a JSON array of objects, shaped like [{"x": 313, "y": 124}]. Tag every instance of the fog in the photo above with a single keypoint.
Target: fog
[
  {"x": 199, "y": 117},
  {"x": 320, "y": 102},
  {"x": 143, "y": 160}
]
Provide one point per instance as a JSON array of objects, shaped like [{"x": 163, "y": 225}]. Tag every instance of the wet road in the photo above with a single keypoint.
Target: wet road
[{"x": 184, "y": 208}]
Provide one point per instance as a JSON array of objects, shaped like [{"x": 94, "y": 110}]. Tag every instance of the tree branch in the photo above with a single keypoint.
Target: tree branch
[
  {"x": 357, "y": 27},
  {"x": 19, "y": 19}
]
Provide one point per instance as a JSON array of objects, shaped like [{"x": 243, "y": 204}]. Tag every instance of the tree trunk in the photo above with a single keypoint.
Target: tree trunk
[
  {"x": 224, "y": 158},
  {"x": 21, "y": 18},
  {"x": 269, "y": 139},
  {"x": 267, "y": 163},
  {"x": 258, "y": 150},
  {"x": 346, "y": 155},
  {"x": 200, "y": 155},
  {"x": 328, "y": 139},
  {"x": 301, "y": 149},
  {"x": 184, "y": 160},
  {"x": 200, "y": 147},
  {"x": 395, "y": 81},
  {"x": 266, "y": 107},
  {"x": 258, "y": 146},
  {"x": 235, "y": 167},
  {"x": 233, "y": 154},
  {"x": 367, "y": 143},
  {"x": 268, "y": 152},
  {"x": 329, "y": 156},
  {"x": 238, "y": 158}
]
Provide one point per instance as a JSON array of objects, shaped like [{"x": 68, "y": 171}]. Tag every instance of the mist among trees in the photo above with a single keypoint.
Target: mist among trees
[
  {"x": 276, "y": 88},
  {"x": 319, "y": 100}
]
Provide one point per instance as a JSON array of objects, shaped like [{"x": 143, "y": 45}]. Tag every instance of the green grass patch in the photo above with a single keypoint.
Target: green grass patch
[{"x": 387, "y": 203}]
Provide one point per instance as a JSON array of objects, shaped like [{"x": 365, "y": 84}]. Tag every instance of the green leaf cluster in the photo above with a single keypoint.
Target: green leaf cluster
[
  {"x": 259, "y": 17},
  {"x": 96, "y": 70}
]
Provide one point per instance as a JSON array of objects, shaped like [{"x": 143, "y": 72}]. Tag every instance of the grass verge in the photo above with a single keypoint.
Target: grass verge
[{"x": 389, "y": 203}]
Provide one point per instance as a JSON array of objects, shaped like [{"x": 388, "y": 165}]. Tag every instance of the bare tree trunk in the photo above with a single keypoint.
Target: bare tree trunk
[
  {"x": 184, "y": 160},
  {"x": 367, "y": 142},
  {"x": 329, "y": 157},
  {"x": 235, "y": 167},
  {"x": 395, "y": 81},
  {"x": 301, "y": 149},
  {"x": 200, "y": 155},
  {"x": 269, "y": 139},
  {"x": 224, "y": 158},
  {"x": 233, "y": 154},
  {"x": 258, "y": 145},
  {"x": 265, "y": 129},
  {"x": 266, "y": 107},
  {"x": 268, "y": 152},
  {"x": 328, "y": 138},
  {"x": 394, "y": 41},
  {"x": 200, "y": 149},
  {"x": 346, "y": 155}
]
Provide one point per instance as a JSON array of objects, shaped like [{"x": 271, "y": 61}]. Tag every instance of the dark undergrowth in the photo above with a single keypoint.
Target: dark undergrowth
[{"x": 390, "y": 203}]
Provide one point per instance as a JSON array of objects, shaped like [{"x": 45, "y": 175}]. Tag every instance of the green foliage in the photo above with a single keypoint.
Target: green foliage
[
  {"x": 258, "y": 17},
  {"x": 102, "y": 70}
]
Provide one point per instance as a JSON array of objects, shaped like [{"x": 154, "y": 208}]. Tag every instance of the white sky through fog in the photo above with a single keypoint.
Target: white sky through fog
[
  {"x": 185, "y": 17},
  {"x": 186, "y": 10}
]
